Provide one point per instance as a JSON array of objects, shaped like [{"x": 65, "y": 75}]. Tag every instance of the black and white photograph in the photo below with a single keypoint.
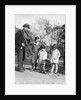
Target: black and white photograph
[{"x": 39, "y": 49}]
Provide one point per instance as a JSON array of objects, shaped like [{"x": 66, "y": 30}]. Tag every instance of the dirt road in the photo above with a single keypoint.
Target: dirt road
[{"x": 29, "y": 77}]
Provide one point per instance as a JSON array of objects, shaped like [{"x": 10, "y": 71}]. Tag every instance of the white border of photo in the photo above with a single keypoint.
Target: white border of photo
[{"x": 70, "y": 51}]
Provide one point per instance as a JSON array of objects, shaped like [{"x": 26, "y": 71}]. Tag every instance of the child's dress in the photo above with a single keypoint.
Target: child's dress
[
  {"x": 42, "y": 55},
  {"x": 55, "y": 56}
]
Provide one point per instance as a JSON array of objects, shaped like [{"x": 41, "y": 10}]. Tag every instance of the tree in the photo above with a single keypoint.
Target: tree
[
  {"x": 47, "y": 32},
  {"x": 43, "y": 25}
]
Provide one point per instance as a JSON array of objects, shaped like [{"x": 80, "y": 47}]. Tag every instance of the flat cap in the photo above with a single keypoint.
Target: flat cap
[{"x": 26, "y": 25}]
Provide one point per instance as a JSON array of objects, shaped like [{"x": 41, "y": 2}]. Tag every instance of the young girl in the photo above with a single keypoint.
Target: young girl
[
  {"x": 42, "y": 56},
  {"x": 55, "y": 59}
]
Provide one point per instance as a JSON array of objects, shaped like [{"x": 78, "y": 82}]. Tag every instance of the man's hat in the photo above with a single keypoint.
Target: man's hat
[{"x": 26, "y": 25}]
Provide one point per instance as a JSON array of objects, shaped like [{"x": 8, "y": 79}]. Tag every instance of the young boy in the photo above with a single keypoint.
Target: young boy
[
  {"x": 55, "y": 59},
  {"x": 36, "y": 46}
]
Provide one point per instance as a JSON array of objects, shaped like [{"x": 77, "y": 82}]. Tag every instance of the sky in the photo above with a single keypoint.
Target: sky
[{"x": 21, "y": 19}]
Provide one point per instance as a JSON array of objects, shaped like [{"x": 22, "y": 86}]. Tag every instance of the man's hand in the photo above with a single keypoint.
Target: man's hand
[{"x": 23, "y": 44}]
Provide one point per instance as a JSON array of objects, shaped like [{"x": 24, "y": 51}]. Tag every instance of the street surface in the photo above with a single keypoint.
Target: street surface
[{"x": 31, "y": 77}]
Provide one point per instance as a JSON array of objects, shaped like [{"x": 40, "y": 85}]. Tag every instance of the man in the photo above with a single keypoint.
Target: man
[{"x": 20, "y": 43}]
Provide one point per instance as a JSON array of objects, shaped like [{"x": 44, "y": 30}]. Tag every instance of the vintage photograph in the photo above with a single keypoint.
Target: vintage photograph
[{"x": 40, "y": 48}]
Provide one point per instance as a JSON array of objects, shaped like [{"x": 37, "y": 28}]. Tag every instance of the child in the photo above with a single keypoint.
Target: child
[
  {"x": 55, "y": 59},
  {"x": 36, "y": 46},
  {"x": 42, "y": 54}
]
